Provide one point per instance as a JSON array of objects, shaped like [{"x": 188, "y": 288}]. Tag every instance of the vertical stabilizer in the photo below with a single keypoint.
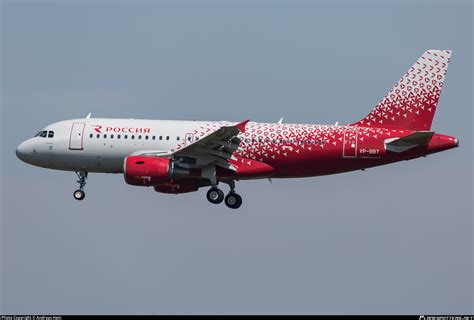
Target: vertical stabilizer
[{"x": 411, "y": 103}]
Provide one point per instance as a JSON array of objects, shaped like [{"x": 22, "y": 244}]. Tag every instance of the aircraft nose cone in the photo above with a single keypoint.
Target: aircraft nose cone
[{"x": 22, "y": 151}]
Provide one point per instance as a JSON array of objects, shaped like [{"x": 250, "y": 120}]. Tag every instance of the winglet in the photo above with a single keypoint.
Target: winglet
[{"x": 241, "y": 126}]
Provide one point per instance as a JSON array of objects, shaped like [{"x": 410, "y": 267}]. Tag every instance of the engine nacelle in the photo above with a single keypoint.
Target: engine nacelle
[
  {"x": 181, "y": 186},
  {"x": 151, "y": 171}
]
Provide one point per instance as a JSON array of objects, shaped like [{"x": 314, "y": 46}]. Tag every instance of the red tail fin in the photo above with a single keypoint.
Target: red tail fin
[{"x": 412, "y": 101}]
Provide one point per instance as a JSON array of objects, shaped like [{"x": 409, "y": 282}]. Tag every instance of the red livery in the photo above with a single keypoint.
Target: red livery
[{"x": 183, "y": 156}]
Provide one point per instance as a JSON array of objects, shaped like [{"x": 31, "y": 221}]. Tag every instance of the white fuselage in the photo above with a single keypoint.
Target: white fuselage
[{"x": 101, "y": 145}]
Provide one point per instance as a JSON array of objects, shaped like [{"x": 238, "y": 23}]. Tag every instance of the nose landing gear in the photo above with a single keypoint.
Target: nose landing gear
[{"x": 79, "y": 194}]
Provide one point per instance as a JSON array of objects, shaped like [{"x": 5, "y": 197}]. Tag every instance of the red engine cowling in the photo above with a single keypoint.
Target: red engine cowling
[
  {"x": 181, "y": 186},
  {"x": 151, "y": 171}
]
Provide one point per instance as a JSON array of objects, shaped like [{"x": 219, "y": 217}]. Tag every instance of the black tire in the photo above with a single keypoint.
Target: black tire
[
  {"x": 233, "y": 200},
  {"x": 215, "y": 195},
  {"x": 79, "y": 194}
]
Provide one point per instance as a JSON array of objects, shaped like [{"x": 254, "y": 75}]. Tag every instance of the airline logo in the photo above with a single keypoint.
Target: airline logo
[{"x": 99, "y": 129}]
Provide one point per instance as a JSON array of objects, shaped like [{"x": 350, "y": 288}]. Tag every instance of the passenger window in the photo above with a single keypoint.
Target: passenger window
[
  {"x": 153, "y": 138},
  {"x": 105, "y": 136},
  {"x": 50, "y": 134},
  {"x": 118, "y": 136},
  {"x": 161, "y": 137},
  {"x": 189, "y": 138},
  {"x": 177, "y": 138},
  {"x": 139, "y": 137},
  {"x": 133, "y": 136},
  {"x": 316, "y": 142},
  {"x": 197, "y": 138},
  {"x": 111, "y": 136},
  {"x": 167, "y": 137},
  {"x": 91, "y": 135},
  {"x": 146, "y": 137},
  {"x": 98, "y": 136},
  {"x": 309, "y": 142},
  {"x": 125, "y": 136},
  {"x": 43, "y": 134}
]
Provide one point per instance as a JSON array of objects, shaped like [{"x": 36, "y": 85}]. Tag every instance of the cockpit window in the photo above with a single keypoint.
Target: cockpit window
[{"x": 44, "y": 134}]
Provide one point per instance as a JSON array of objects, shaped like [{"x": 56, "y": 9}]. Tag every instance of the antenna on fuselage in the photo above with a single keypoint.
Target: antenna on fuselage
[
  {"x": 337, "y": 123},
  {"x": 280, "y": 121},
  {"x": 89, "y": 115}
]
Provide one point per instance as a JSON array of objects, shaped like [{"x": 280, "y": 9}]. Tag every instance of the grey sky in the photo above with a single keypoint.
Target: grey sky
[{"x": 394, "y": 239}]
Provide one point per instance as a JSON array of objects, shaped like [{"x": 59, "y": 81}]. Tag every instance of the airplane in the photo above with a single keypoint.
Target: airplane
[{"x": 177, "y": 157}]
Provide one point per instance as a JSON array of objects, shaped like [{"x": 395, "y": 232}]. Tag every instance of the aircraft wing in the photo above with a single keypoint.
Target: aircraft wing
[{"x": 216, "y": 148}]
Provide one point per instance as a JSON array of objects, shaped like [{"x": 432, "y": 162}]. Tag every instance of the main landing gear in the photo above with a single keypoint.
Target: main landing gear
[
  {"x": 232, "y": 200},
  {"x": 215, "y": 195},
  {"x": 79, "y": 194}
]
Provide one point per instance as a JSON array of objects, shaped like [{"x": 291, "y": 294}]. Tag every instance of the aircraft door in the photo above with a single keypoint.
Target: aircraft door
[
  {"x": 188, "y": 138},
  {"x": 77, "y": 133},
  {"x": 349, "y": 147}
]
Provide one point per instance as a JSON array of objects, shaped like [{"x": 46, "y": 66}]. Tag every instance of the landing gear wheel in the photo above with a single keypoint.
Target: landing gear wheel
[
  {"x": 233, "y": 200},
  {"x": 215, "y": 195},
  {"x": 79, "y": 194}
]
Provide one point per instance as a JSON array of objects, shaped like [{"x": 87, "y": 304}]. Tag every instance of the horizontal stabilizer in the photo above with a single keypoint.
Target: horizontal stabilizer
[{"x": 416, "y": 139}]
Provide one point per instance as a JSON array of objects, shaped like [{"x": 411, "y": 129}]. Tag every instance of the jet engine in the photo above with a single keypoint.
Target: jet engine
[{"x": 151, "y": 171}]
